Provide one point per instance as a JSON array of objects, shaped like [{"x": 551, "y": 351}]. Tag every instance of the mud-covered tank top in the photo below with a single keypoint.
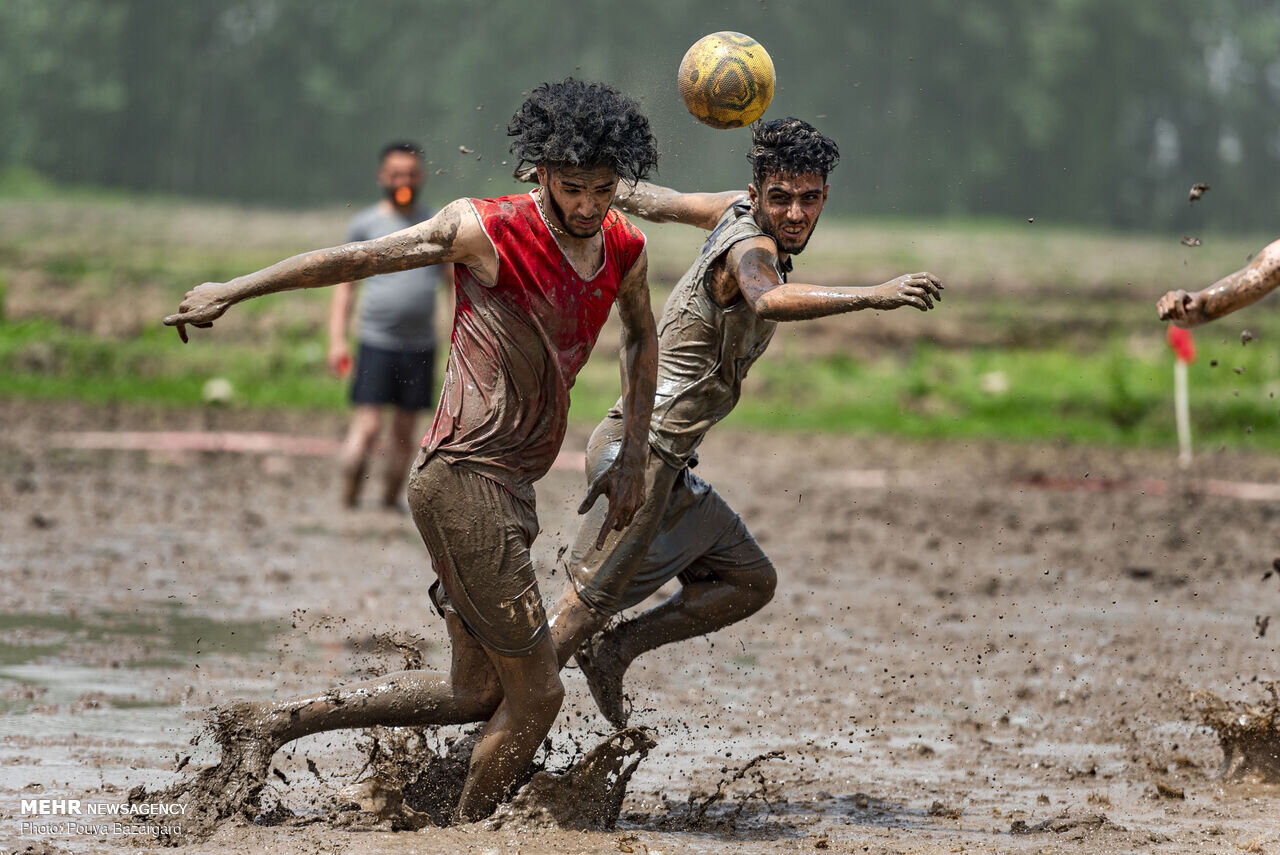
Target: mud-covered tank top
[
  {"x": 704, "y": 349},
  {"x": 518, "y": 344}
]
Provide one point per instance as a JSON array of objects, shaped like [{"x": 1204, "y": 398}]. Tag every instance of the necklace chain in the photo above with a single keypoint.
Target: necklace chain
[{"x": 546, "y": 218}]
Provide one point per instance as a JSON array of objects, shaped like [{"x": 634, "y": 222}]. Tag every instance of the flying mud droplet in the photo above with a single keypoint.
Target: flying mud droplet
[
  {"x": 1197, "y": 190},
  {"x": 464, "y": 150},
  {"x": 1245, "y": 337},
  {"x": 1249, "y": 734},
  {"x": 1188, "y": 240}
]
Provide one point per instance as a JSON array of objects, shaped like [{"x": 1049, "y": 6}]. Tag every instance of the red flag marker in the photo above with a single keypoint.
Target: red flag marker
[{"x": 1184, "y": 346}]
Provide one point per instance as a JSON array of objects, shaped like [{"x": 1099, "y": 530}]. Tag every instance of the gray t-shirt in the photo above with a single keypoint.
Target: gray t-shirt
[{"x": 397, "y": 310}]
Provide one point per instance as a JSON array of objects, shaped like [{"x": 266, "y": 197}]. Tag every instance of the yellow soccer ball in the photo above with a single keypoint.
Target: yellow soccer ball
[{"x": 726, "y": 80}]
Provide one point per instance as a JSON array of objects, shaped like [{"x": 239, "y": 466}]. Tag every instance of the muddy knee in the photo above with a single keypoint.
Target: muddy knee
[
  {"x": 540, "y": 699},
  {"x": 758, "y": 585},
  {"x": 481, "y": 702}
]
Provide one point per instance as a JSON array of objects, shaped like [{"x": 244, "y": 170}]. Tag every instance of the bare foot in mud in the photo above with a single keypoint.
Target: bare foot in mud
[{"x": 604, "y": 670}]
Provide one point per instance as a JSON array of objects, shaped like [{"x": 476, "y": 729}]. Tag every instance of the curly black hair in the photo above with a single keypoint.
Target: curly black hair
[
  {"x": 573, "y": 123},
  {"x": 790, "y": 147}
]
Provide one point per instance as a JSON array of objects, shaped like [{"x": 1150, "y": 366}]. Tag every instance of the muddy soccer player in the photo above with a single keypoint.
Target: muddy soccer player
[
  {"x": 1235, "y": 291},
  {"x": 536, "y": 275},
  {"x": 717, "y": 323}
]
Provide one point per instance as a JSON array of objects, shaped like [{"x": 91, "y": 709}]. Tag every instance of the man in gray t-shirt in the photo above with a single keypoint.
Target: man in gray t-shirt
[{"x": 395, "y": 361}]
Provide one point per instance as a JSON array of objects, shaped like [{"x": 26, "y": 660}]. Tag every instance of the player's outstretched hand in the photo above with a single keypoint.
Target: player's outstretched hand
[
  {"x": 624, "y": 485},
  {"x": 201, "y": 307},
  {"x": 914, "y": 289},
  {"x": 1181, "y": 308},
  {"x": 529, "y": 175}
]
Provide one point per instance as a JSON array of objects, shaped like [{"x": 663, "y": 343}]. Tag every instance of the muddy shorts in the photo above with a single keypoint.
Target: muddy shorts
[
  {"x": 700, "y": 538},
  {"x": 479, "y": 534}
]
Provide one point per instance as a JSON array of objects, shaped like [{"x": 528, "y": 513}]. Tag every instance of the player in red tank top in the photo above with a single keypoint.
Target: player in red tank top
[{"x": 536, "y": 276}]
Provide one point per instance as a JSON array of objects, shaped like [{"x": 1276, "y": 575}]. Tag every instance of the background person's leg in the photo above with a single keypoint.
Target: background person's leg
[{"x": 361, "y": 439}]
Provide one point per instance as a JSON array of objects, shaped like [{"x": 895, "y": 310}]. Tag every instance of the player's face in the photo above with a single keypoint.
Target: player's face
[
  {"x": 580, "y": 198},
  {"x": 787, "y": 207},
  {"x": 401, "y": 176}
]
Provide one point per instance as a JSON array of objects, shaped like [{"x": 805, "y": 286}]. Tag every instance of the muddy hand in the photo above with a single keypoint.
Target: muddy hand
[
  {"x": 624, "y": 486},
  {"x": 1177, "y": 307},
  {"x": 528, "y": 175},
  {"x": 200, "y": 308},
  {"x": 914, "y": 289}
]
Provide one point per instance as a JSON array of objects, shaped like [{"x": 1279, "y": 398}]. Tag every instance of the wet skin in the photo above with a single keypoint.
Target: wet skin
[
  {"x": 519, "y": 695},
  {"x": 1225, "y": 296},
  {"x": 786, "y": 208}
]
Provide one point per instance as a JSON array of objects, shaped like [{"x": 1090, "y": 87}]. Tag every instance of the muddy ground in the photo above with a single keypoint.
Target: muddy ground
[{"x": 957, "y": 660}]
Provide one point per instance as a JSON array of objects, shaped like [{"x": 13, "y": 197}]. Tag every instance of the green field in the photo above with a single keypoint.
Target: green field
[{"x": 1045, "y": 334}]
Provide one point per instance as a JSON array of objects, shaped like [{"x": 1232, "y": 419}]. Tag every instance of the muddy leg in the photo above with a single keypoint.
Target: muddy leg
[
  {"x": 361, "y": 438},
  {"x": 700, "y": 607},
  {"x": 572, "y": 622},
  {"x": 251, "y": 733},
  {"x": 532, "y": 694}
]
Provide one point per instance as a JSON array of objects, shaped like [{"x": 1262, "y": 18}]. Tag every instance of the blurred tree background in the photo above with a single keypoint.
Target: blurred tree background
[{"x": 1091, "y": 112}]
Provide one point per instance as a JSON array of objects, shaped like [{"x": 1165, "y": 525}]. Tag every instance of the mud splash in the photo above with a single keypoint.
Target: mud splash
[
  {"x": 1081, "y": 826},
  {"x": 587, "y": 796},
  {"x": 229, "y": 790},
  {"x": 1249, "y": 735},
  {"x": 697, "y": 813},
  {"x": 410, "y": 783}
]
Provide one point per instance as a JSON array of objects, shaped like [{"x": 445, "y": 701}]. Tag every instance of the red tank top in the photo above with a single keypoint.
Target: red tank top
[{"x": 518, "y": 345}]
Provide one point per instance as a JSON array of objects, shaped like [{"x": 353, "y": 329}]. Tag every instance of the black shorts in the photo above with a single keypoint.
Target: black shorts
[{"x": 401, "y": 378}]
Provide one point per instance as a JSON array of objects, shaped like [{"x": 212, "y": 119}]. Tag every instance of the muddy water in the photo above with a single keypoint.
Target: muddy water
[{"x": 948, "y": 659}]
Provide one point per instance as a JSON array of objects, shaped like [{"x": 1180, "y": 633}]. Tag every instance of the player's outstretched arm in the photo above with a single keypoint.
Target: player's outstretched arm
[
  {"x": 1226, "y": 295},
  {"x": 663, "y": 205},
  {"x": 623, "y": 482},
  {"x": 775, "y": 300},
  {"x": 453, "y": 234}
]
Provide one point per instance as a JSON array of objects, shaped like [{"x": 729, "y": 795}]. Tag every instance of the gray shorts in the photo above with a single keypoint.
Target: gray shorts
[
  {"x": 479, "y": 534},
  {"x": 699, "y": 538}
]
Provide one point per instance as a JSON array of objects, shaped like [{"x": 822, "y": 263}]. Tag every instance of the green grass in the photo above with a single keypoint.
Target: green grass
[
  {"x": 40, "y": 359},
  {"x": 1112, "y": 395},
  {"x": 1065, "y": 316},
  {"x": 1108, "y": 397}
]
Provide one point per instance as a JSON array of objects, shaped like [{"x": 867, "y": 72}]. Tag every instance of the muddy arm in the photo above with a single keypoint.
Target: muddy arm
[
  {"x": 775, "y": 300},
  {"x": 623, "y": 482},
  {"x": 454, "y": 234},
  {"x": 1226, "y": 295},
  {"x": 663, "y": 205}
]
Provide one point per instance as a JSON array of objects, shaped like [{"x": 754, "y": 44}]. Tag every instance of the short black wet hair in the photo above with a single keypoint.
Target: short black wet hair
[
  {"x": 790, "y": 147},
  {"x": 402, "y": 146},
  {"x": 587, "y": 125}
]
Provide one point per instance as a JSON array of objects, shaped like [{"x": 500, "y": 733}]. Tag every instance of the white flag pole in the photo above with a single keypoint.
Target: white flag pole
[{"x": 1182, "y": 412}]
